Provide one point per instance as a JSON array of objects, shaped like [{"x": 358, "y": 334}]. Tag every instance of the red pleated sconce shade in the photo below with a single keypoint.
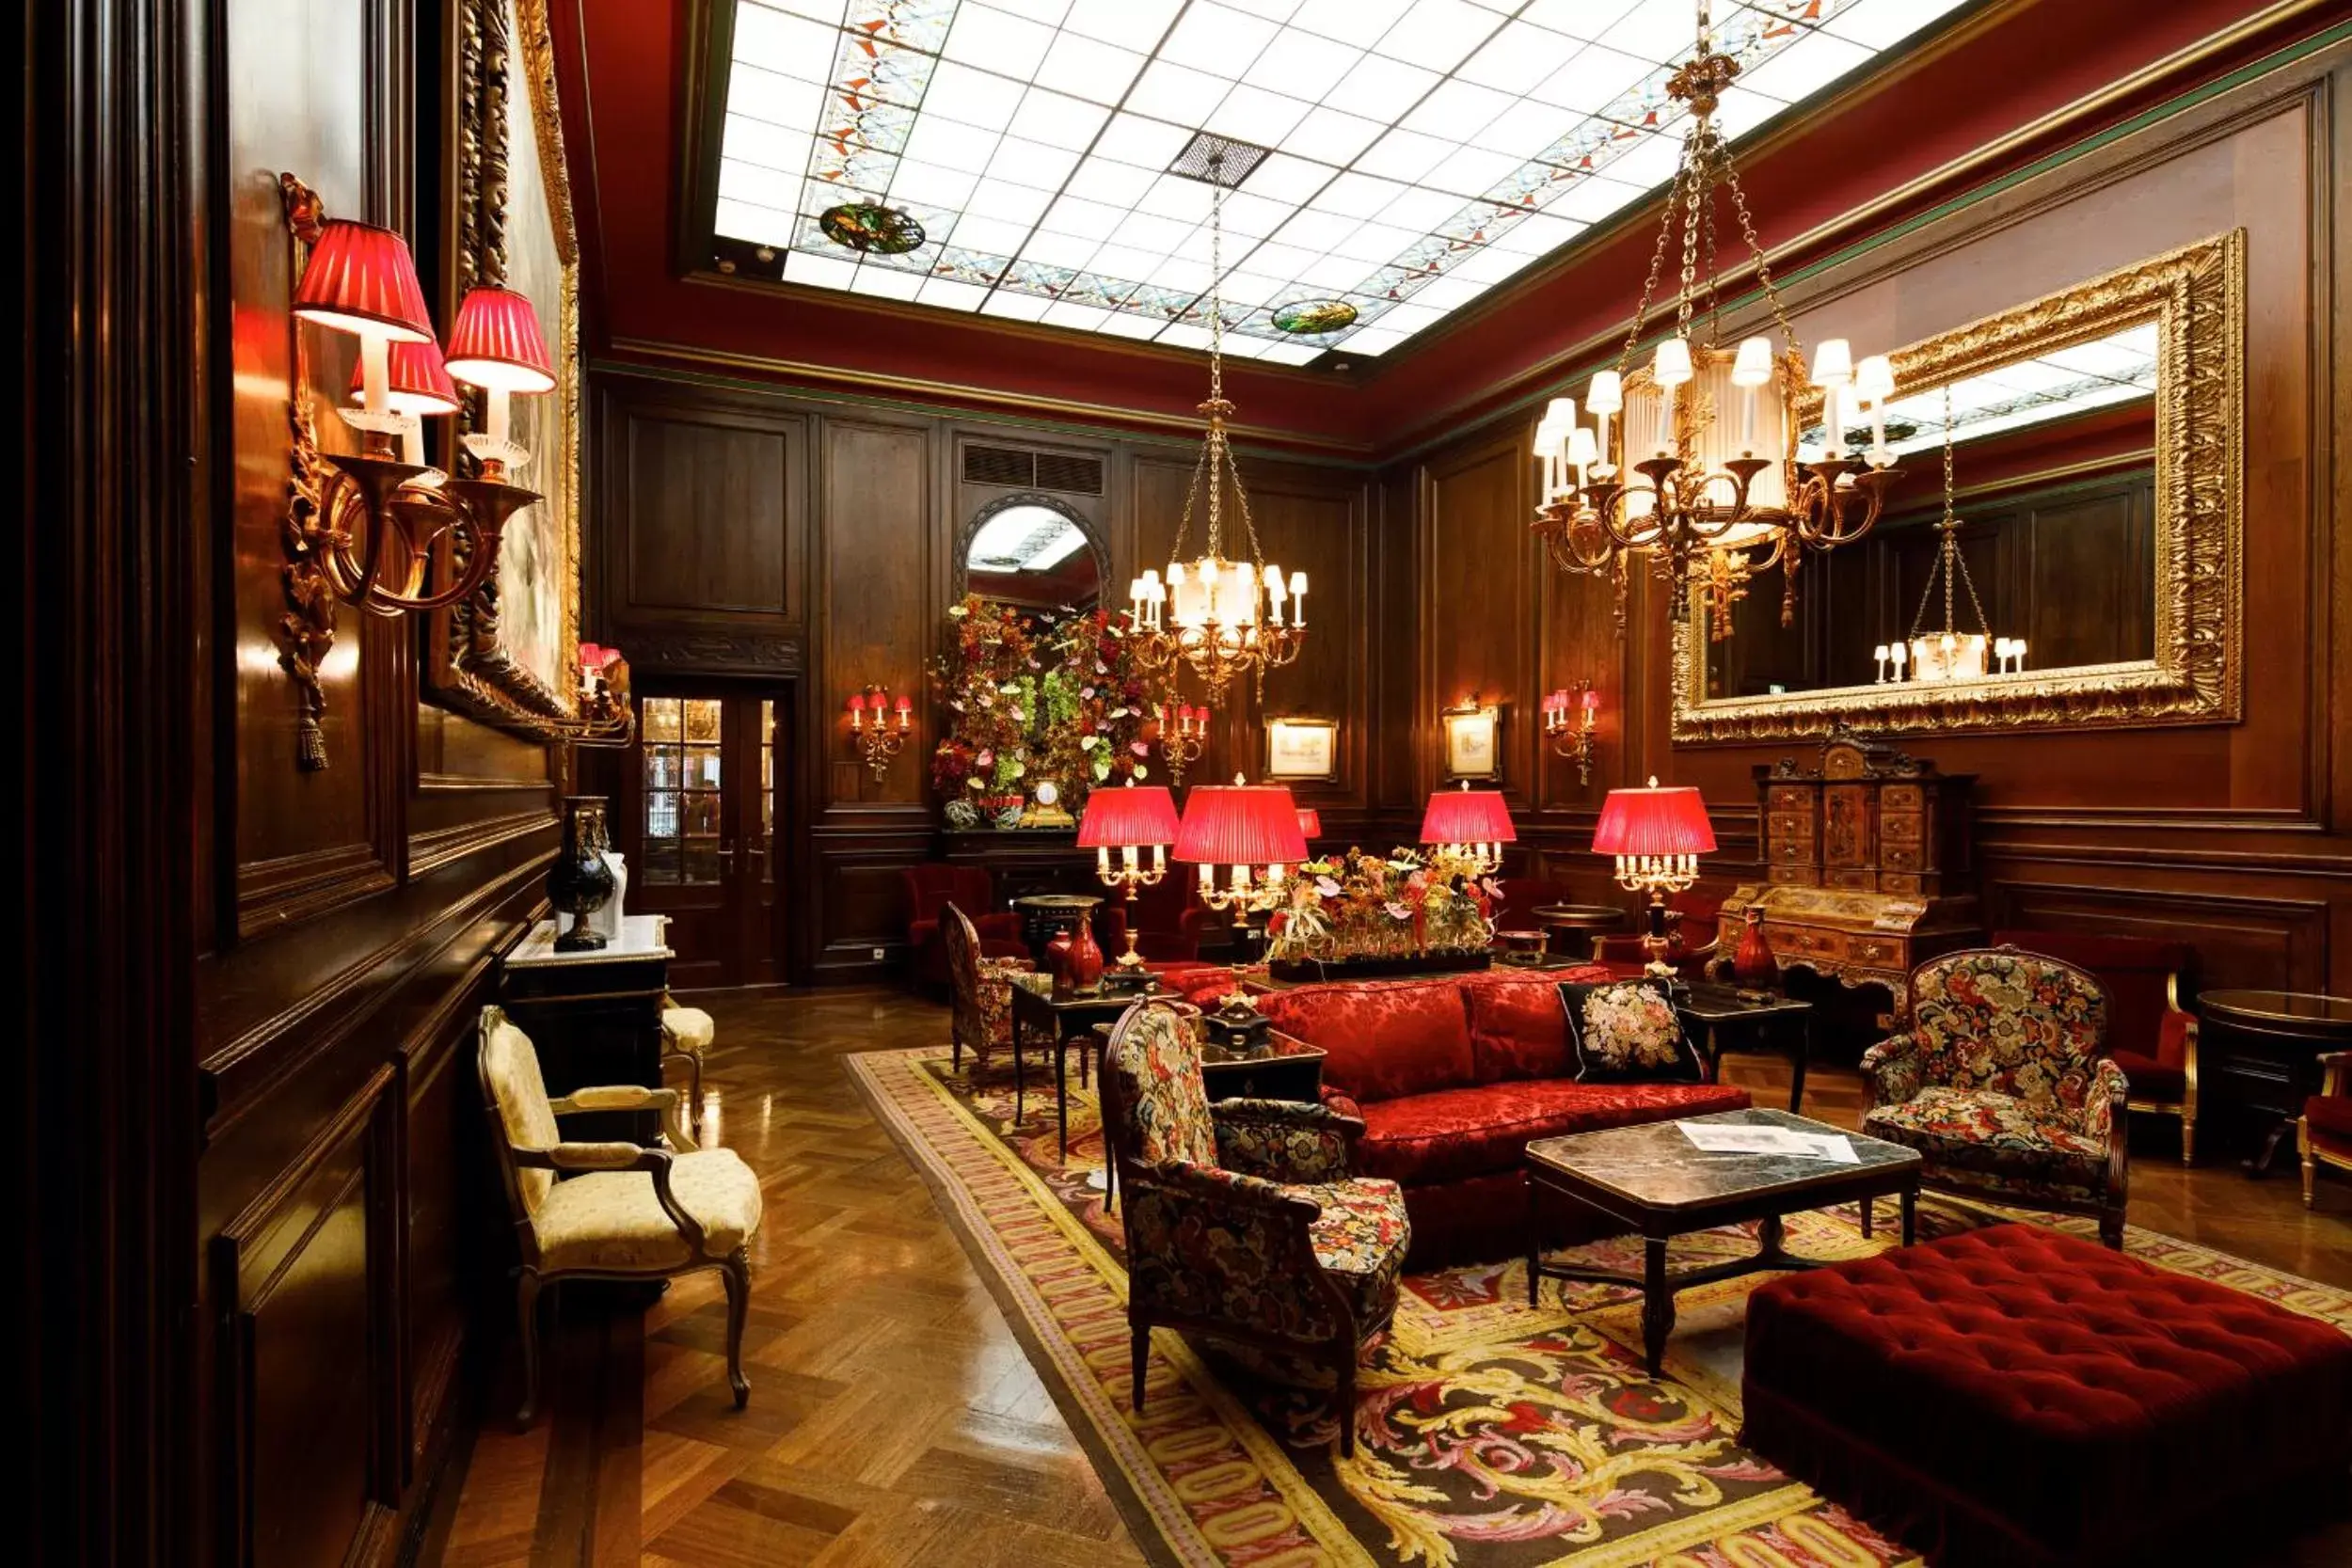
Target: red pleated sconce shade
[
  {"x": 420, "y": 382},
  {"x": 1240, "y": 825},
  {"x": 1128, "y": 816},
  {"x": 1310, "y": 822},
  {"x": 1653, "y": 821},
  {"x": 1467, "y": 816},
  {"x": 359, "y": 278},
  {"x": 496, "y": 343}
]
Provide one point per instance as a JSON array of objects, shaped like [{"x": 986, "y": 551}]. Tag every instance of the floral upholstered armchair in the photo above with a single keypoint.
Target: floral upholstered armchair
[
  {"x": 2001, "y": 1085},
  {"x": 1242, "y": 1221},
  {"x": 980, "y": 990}
]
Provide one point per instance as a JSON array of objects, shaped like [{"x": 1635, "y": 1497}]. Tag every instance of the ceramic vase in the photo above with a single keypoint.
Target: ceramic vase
[
  {"x": 580, "y": 881},
  {"x": 1752, "y": 962},
  {"x": 1082, "y": 964}
]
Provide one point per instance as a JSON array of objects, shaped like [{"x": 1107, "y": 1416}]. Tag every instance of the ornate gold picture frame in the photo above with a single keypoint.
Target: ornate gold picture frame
[
  {"x": 2196, "y": 297},
  {"x": 510, "y": 655}
]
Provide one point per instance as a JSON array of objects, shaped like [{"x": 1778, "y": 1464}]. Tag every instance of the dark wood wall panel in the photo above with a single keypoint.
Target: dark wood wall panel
[
  {"x": 876, "y": 509},
  {"x": 2228, "y": 836}
]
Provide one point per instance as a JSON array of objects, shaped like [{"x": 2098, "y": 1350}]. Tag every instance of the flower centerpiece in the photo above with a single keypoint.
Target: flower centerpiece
[
  {"x": 1366, "y": 913},
  {"x": 1033, "y": 696}
]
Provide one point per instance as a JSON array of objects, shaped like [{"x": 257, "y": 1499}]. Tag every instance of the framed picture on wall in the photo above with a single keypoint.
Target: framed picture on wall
[
  {"x": 1474, "y": 741},
  {"x": 1299, "y": 749}
]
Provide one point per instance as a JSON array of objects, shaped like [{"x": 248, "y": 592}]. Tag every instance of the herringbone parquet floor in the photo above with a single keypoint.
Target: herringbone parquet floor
[{"x": 894, "y": 1417}]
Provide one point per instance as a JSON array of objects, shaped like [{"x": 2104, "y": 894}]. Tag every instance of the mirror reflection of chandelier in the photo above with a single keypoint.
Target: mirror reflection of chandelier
[
  {"x": 1217, "y": 617},
  {"x": 1683, "y": 482},
  {"x": 1950, "y": 654}
]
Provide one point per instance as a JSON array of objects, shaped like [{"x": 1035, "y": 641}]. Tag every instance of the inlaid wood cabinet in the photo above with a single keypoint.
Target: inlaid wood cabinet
[{"x": 1868, "y": 868}]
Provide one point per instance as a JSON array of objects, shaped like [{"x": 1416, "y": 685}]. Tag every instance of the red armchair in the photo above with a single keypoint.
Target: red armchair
[
  {"x": 2150, "y": 1034},
  {"x": 969, "y": 888},
  {"x": 2323, "y": 1134}
]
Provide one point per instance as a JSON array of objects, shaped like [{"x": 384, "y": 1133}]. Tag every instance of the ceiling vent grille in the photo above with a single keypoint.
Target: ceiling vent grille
[
  {"x": 1019, "y": 469},
  {"x": 1234, "y": 161}
]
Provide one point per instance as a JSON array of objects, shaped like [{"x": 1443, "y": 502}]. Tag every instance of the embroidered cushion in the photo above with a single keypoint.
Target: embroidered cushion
[
  {"x": 2014, "y": 1023},
  {"x": 1383, "y": 1039},
  {"x": 1628, "y": 1031}
]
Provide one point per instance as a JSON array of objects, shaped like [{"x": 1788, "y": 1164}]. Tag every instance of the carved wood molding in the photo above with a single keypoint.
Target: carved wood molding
[
  {"x": 697, "y": 651},
  {"x": 306, "y": 632},
  {"x": 2196, "y": 296}
]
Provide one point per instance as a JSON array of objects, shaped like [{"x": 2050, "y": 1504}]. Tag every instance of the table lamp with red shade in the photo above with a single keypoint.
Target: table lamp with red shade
[
  {"x": 1473, "y": 824},
  {"x": 1657, "y": 835},
  {"x": 1252, "y": 829}
]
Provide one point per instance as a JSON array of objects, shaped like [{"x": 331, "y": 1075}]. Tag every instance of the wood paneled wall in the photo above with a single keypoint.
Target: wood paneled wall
[
  {"x": 2230, "y": 837},
  {"x": 342, "y": 1241},
  {"x": 873, "y": 498}
]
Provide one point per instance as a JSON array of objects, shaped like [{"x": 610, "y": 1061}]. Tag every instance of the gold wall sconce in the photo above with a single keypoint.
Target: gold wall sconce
[
  {"x": 1569, "y": 718},
  {"x": 1183, "y": 738},
  {"x": 878, "y": 733}
]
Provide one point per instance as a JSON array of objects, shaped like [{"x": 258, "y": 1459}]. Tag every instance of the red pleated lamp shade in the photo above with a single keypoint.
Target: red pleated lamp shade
[
  {"x": 1240, "y": 825},
  {"x": 1128, "y": 816},
  {"x": 1467, "y": 816},
  {"x": 361, "y": 278},
  {"x": 1653, "y": 821},
  {"x": 420, "y": 382},
  {"x": 496, "y": 343},
  {"x": 1309, "y": 823}
]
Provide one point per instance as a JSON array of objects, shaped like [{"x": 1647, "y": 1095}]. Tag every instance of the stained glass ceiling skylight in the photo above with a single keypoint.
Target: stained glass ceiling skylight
[
  {"x": 1015, "y": 157},
  {"x": 2061, "y": 385}
]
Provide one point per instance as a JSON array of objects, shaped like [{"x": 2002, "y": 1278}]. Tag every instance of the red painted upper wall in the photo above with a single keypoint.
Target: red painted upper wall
[{"x": 621, "y": 68}]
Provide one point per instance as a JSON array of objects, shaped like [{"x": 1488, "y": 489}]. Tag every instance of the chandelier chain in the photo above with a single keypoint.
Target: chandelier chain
[
  {"x": 1755, "y": 249},
  {"x": 1657, "y": 270},
  {"x": 1950, "y": 563}
]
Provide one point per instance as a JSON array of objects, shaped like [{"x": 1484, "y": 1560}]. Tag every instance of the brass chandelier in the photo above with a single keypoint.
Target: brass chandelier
[
  {"x": 1951, "y": 655},
  {"x": 1219, "y": 618},
  {"x": 1711, "y": 499}
]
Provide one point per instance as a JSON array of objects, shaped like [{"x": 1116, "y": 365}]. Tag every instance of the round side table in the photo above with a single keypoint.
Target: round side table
[
  {"x": 2258, "y": 1053},
  {"x": 1566, "y": 923}
]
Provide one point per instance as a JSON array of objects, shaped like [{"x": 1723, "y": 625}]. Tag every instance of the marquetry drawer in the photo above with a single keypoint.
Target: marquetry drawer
[
  {"x": 1782, "y": 825},
  {"x": 1800, "y": 942},
  {"x": 1896, "y": 796},
  {"x": 1789, "y": 797},
  {"x": 1902, "y": 882},
  {"x": 1861, "y": 879},
  {"x": 1899, "y": 856},
  {"x": 1900, "y": 827},
  {"x": 1882, "y": 951},
  {"x": 1791, "y": 852},
  {"x": 1790, "y": 876}
]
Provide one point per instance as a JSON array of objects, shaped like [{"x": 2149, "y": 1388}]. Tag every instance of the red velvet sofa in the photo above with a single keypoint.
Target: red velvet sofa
[{"x": 1452, "y": 1078}]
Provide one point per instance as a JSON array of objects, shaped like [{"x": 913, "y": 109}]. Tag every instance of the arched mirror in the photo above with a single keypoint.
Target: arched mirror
[{"x": 1033, "y": 552}]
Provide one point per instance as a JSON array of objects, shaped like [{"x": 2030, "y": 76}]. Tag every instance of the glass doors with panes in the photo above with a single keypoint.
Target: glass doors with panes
[{"x": 698, "y": 821}]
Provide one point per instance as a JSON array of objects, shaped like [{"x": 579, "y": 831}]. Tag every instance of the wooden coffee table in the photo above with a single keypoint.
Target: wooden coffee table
[{"x": 1651, "y": 1181}]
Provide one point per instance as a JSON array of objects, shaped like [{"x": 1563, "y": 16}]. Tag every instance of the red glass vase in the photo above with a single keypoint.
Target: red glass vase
[{"x": 1752, "y": 962}]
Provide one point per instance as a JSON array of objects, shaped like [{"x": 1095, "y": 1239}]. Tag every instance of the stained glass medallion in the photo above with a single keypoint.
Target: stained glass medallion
[
  {"x": 872, "y": 229},
  {"x": 1308, "y": 317}
]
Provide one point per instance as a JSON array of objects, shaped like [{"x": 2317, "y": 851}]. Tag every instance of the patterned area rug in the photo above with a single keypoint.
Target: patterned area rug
[{"x": 1489, "y": 1435}]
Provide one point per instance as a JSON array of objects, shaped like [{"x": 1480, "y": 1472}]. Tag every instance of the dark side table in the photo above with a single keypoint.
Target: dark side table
[
  {"x": 594, "y": 1017},
  {"x": 1047, "y": 915},
  {"x": 1713, "y": 1012},
  {"x": 2258, "y": 1057},
  {"x": 1564, "y": 923}
]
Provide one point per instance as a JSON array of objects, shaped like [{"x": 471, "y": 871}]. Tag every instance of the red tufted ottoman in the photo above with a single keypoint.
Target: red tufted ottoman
[{"x": 2013, "y": 1395}]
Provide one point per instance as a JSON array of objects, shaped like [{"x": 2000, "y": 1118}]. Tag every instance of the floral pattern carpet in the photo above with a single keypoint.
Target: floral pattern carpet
[{"x": 1489, "y": 1435}]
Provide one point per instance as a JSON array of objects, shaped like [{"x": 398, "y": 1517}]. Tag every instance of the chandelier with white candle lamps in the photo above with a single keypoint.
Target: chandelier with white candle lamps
[
  {"x": 1701, "y": 472},
  {"x": 1950, "y": 654},
  {"x": 1217, "y": 617}
]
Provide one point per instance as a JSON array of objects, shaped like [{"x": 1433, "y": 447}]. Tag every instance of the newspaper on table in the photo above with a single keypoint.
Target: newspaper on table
[{"x": 1718, "y": 1137}]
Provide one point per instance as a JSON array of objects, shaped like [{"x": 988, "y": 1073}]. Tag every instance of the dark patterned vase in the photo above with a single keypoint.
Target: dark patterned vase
[
  {"x": 1752, "y": 962},
  {"x": 580, "y": 881}
]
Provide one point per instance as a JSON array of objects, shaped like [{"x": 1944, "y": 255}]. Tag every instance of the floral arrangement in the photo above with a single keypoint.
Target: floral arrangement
[
  {"x": 1400, "y": 905},
  {"x": 1034, "y": 696}
]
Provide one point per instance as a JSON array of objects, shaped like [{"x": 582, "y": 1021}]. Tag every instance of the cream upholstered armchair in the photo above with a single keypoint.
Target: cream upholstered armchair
[
  {"x": 610, "y": 1210},
  {"x": 687, "y": 1034}
]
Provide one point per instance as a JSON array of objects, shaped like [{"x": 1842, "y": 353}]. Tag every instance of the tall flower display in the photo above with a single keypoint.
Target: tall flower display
[
  {"x": 1034, "y": 696},
  {"x": 1403, "y": 904}
]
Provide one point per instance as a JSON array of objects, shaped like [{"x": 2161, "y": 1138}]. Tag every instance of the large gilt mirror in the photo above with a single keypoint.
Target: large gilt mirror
[{"x": 2081, "y": 568}]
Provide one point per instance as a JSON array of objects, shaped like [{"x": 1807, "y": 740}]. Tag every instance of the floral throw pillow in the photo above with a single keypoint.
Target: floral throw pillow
[{"x": 1628, "y": 1032}]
